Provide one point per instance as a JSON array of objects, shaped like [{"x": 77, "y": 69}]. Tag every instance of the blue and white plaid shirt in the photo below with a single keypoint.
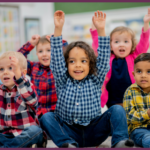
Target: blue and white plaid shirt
[{"x": 78, "y": 101}]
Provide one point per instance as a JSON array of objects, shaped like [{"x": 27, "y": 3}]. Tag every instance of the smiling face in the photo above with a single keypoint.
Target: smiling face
[
  {"x": 43, "y": 52},
  {"x": 142, "y": 75},
  {"x": 6, "y": 73},
  {"x": 121, "y": 44},
  {"x": 78, "y": 63}
]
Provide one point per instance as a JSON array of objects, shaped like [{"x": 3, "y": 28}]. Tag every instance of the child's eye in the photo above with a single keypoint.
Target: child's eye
[
  {"x": 126, "y": 41},
  {"x": 40, "y": 51},
  {"x": 48, "y": 50},
  {"x": 10, "y": 68},
  {"x": 71, "y": 61},
  {"x": 1, "y": 69},
  {"x": 148, "y": 71},
  {"x": 116, "y": 41},
  {"x": 139, "y": 71},
  {"x": 84, "y": 61}
]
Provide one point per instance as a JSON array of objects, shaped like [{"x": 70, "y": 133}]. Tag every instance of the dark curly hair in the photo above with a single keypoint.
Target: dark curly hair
[{"x": 89, "y": 52}]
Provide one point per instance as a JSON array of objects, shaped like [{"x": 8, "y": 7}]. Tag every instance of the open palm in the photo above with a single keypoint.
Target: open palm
[
  {"x": 147, "y": 17},
  {"x": 59, "y": 19},
  {"x": 99, "y": 20}
]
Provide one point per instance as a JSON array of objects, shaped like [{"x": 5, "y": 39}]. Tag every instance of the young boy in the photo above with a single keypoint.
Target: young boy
[
  {"x": 41, "y": 74},
  {"x": 136, "y": 102},
  {"x": 18, "y": 102},
  {"x": 79, "y": 75}
]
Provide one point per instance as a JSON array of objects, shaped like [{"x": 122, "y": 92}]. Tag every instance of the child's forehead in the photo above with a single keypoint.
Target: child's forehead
[
  {"x": 142, "y": 65},
  {"x": 4, "y": 61}
]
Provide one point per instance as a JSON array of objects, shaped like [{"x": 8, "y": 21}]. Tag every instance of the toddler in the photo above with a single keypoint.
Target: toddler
[
  {"x": 18, "y": 103},
  {"x": 123, "y": 52},
  {"x": 77, "y": 120},
  {"x": 136, "y": 102}
]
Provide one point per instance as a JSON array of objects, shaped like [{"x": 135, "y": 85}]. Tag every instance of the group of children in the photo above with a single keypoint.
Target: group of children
[{"x": 70, "y": 84}]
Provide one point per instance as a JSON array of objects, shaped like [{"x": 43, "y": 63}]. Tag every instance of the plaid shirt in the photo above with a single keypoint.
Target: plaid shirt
[
  {"x": 43, "y": 80},
  {"x": 17, "y": 107},
  {"x": 136, "y": 103},
  {"x": 78, "y": 101}
]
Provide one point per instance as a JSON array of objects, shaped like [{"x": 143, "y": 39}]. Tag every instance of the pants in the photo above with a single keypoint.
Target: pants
[
  {"x": 113, "y": 120},
  {"x": 29, "y": 136},
  {"x": 141, "y": 137}
]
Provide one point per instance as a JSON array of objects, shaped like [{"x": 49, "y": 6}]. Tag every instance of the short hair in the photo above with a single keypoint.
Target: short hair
[
  {"x": 22, "y": 59},
  {"x": 123, "y": 29},
  {"x": 89, "y": 52},
  {"x": 43, "y": 40},
  {"x": 142, "y": 57}
]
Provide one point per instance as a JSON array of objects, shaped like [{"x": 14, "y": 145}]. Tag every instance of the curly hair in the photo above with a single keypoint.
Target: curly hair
[
  {"x": 88, "y": 51},
  {"x": 122, "y": 29}
]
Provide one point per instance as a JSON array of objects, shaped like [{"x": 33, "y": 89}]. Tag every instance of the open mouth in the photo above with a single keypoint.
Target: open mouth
[
  {"x": 45, "y": 59},
  {"x": 78, "y": 72},
  {"x": 6, "y": 78},
  {"x": 121, "y": 50}
]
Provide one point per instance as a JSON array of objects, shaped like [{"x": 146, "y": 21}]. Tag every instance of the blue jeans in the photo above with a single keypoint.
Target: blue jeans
[
  {"x": 114, "y": 119},
  {"x": 141, "y": 137},
  {"x": 29, "y": 136}
]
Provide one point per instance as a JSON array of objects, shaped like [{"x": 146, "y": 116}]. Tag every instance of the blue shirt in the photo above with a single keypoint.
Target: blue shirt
[
  {"x": 119, "y": 82},
  {"x": 78, "y": 101}
]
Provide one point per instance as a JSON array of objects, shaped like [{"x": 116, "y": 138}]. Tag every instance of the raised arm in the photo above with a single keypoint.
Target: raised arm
[
  {"x": 103, "y": 50},
  {"x": 57, "y": 64},
  {"x": 143, "y": 45},
  {"x": 134, "y": 115}
]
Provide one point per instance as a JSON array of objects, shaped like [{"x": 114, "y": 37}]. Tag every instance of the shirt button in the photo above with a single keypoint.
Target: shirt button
[
  {"x": 79, "y": 87},
  {"x": 8, "y": 105},
  {"x": 9, "y": 94},
  {"x": 77, "y": 103},
  {"x": 9, "y": 116}
]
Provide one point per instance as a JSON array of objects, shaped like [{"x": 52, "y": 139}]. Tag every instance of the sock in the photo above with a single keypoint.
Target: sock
[{"x": 125, "y": 143}]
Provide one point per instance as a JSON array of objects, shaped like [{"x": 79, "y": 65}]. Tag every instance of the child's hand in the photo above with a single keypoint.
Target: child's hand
[
  {"x": 49, "y": 36},
  {"x": 34, "y": 40},
  {"x": 99, "y": 20},
  {"x": 15, "y": 66},
  {"x": 59, "y": 19},
  {"x": 146, "y": 20}
]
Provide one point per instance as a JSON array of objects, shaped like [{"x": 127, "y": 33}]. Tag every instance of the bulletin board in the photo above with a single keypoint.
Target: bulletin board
[{"x": 9, "y": 29}]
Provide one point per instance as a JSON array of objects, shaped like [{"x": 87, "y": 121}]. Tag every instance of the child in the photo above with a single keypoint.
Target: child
[
  {"x": 18, "y": 102},
  {"x": 136, "y": 102},
  {"x": 40, "y": 73},
  {"x": 124, "y": 51},
  {"x": 77, "y": 120}
]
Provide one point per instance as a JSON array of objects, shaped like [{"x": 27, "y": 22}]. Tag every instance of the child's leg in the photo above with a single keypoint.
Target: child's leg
[
  {"x": 58, "y": 130},
  {"x": 29, "y": 136},
  {"x": 112, "y": 121},
  {"x": 141, "y": 137}
]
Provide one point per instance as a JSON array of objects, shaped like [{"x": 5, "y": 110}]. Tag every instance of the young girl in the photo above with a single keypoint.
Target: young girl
[
  {"x": 77, "y": 120},
  {"x": 123, "y": 53}
]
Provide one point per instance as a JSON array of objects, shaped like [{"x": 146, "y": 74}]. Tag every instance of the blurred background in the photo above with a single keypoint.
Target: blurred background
[{"x": 19, "y": 21}]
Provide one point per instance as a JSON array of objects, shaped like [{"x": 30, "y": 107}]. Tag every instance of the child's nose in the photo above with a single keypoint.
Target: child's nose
[{"x": 78, "y": 64}]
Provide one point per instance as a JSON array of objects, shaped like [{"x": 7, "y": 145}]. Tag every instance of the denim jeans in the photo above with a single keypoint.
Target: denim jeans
[
  {"x": 114, "y": 119},
  {"x": 141, "y": 137},
  {"x": 29, "y": 136}
]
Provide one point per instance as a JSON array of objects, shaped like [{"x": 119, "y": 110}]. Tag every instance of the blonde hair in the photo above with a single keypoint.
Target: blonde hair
[
  {"x": 43, "y": 40},
  {"x": 22, "y": 59},
  {"x": 123, "y": 29}
]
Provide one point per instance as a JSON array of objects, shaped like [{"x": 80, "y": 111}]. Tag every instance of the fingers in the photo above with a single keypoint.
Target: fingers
[
  {"x": 100, "y": 14},
  {"x": 59, "y": 13},
  {"x": 148, "y": 11}
]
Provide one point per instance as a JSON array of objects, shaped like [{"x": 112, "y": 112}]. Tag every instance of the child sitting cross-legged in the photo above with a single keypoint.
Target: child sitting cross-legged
[
  {"x": 19, "y": 126},
  {"x": 77, "y": 120},
  {"x": 136, "y": 102}
]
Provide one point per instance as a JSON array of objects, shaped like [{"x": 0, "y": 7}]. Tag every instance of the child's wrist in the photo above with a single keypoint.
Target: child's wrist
[{"x": 57, "y": 31}]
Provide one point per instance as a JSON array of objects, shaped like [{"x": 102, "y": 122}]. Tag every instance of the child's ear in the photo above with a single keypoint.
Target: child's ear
[
  {"x": 24, "y": 72},
  {"x": 133, "y": 74}
]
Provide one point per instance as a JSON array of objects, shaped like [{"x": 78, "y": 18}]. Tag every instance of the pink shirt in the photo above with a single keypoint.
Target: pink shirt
[{"x": 142, "y": 47}]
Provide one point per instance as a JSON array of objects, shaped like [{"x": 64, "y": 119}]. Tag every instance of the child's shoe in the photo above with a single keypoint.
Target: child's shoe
[{"x": 124, "y": 143}]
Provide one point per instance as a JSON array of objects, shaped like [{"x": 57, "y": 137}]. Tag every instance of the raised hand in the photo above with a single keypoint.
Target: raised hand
[
  {"x": 49, "y": 36},
  {"x": 15, "y": 66},
  {"x": 59, "y": 19},
  {"x": 147, "y": 17},
  {"x": 34, "y": 39},
  {"x": 99, "y": 20}
]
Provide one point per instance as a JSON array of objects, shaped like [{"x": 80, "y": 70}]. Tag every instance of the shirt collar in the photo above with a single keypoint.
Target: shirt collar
[
  {"x": 44, "y": 67},
  {"x": 3, "y": 87}
]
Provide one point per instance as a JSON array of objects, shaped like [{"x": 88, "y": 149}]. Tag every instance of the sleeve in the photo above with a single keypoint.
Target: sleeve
[
  {"x": 134, "y": 115},
  {"x": 27, "y": 91},
  {"x": 57, "y": 64},
  {"x": 25, "y": 50},
  {"x": 94, "y": 36},
  {"x": 143, "y": 45},
  {"x": 103, "y": 57}
]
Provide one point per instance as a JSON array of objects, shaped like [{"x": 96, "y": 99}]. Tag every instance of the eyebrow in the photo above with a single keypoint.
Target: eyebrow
[{"x": 81, "y": 58}]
